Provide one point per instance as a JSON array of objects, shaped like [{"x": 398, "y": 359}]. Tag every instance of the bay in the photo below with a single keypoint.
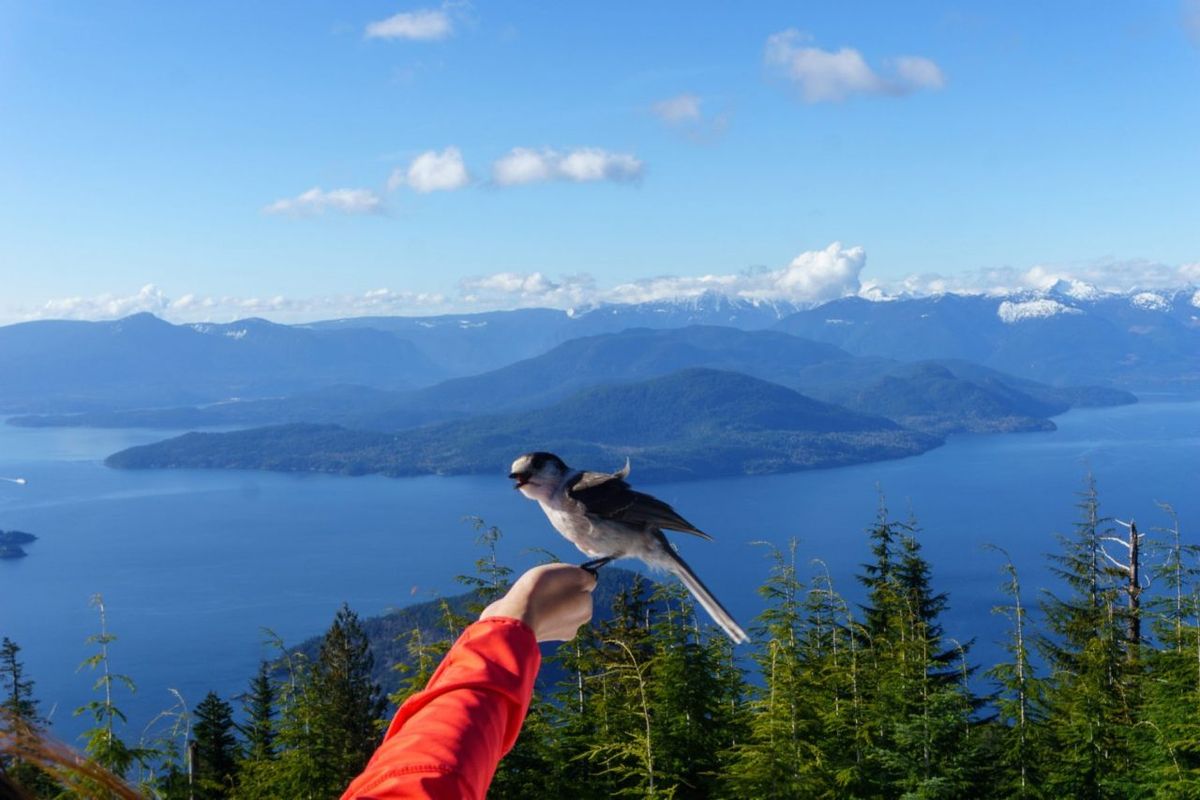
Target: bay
[{"x": 193, "y": 565}]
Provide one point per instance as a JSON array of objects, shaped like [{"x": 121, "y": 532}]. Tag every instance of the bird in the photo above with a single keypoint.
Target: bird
[{"x": 606, "y": 519}]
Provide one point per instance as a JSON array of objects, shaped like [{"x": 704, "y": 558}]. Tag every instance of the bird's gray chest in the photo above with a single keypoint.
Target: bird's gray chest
[{"x": 576, "y": 527}]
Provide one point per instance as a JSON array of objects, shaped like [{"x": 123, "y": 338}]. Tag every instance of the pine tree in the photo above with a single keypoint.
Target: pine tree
[
  {"x": 1173, "y": 668},
  {"x": 102, "y": 742},
  {"x": 1018, "y": 771},
  {"x": 259, "y": 708},
  {"x": 19, "y": 717},
  {"x": 694, "y": 693},
  {"x": 348, "y": 709},
  {"x": 615, "y": 729},
  {"x": 215, "y": 749},
  {"x": 772, "y": 759},
  {"x": 1090, "y": 699},
  {"x": 917, "y": 707}
]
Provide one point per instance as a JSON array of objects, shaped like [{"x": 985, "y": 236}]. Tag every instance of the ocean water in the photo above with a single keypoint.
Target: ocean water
[{"x": 194, "y": 565}]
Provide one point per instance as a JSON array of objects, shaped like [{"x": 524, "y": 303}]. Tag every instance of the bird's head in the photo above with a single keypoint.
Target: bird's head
[{"x": 537, "y": 475}]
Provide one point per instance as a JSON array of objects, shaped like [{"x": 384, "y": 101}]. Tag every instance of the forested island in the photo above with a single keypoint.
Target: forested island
[
  {"x": 11, "y": 543},
  {"x": 691, "y": 424}
]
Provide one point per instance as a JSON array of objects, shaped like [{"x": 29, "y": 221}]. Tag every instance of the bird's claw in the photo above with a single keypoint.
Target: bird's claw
[{"x": 595, "y": 564}]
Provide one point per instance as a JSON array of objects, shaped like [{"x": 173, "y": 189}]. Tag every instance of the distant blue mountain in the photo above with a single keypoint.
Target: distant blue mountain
[
  {"x": 954, "y": 397},
  {"x": 142, "y": 361},
  {"x": 1143, "y": 341},
  {"x": 467, "y": 344}
]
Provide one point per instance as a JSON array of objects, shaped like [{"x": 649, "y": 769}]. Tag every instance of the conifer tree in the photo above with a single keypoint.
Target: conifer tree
[
  {"x": 695, "y": 690},
  {"x": 102, "y": 741},
  {"x": 1090, "y": 699},
  {"x": 215, "y": 749},
  {"x": 259, "y": 709},
  {"x": 917, "y": 707},
  {"x": 772, "y": 759},
  {"x": 1018, "y": 771},
  {"x": 19, "y": 717},
  {"x": 348, "y": 708},
  {"x": 1172, "y": 697}
]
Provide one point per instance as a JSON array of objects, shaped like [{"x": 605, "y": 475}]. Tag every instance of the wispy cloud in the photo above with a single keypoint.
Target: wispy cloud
[
  {"x": 685, "y": 114},
  {"x": 318, "y": 201},
  {"x": 433, "y": 172},
  {"x": 587, "y": 164},
  {"x": 811, "y": 277},
  {"x": 219, "y": 308},
  {"x": 824, "y": 76},
  {"x": 678, "y": 110},
  {"x": 1079, "y": 280},
  {"x": 525, "y": 290},
  {"x": 426, "y": 24}
]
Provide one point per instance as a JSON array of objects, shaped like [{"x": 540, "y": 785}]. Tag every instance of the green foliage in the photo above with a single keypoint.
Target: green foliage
[
  {"x": 845, "y": 701},
  {"x": 102, "y": 742},
  {"x": 216, "y": 749}
]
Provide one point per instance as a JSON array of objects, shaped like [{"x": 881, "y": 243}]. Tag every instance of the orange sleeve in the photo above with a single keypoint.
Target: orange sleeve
[{"x": 446, "y": 741}]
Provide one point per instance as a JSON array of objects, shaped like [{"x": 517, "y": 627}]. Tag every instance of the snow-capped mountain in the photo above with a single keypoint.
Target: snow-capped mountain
[{"x": 1146, "y": 340}]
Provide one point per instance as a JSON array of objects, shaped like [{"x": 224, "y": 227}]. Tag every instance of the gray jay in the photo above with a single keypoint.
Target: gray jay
[{"x": 601, "y": 515}]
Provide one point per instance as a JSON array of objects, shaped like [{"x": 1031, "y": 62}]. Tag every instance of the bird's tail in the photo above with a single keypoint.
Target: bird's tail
[{"x": 675, "y": 564}]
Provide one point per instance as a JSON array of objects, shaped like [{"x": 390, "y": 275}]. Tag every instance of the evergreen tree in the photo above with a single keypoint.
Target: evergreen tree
[
  {"x": 1017, "y": 771},
  {"x": 348, "y": 708},
  {"x": 614, "y": 729},
  {"x": 1172, "y": 698},
  {"x": 19, "y": 718},
  {"x": 102, "y": 741},
  {"x": 215, "y": 749},
  {"x": 771, "y": 761},
  {"x": 1090, "y": 699},
  {"x": 917, "y": 707},
  {"x": 259, "y": 708},
  {"x": 694, "y": 694}
]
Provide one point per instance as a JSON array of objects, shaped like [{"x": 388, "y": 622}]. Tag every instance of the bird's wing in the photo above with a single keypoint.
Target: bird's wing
[{"x": 608, "y": 496}]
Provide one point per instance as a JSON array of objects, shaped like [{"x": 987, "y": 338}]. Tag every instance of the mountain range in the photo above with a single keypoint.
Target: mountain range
[{"x": 774, "y": 388}]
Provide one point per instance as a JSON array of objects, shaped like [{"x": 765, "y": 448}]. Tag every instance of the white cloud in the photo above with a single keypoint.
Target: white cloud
[
  {"x": 534, "y": 289},
  {"x": 433, "y": 172},
  {"x": 917, "y": 72},
  {"x": 427, "y": 24},
  {"x": 824, "y": 76},
  {"x": 678, "y": 110},
  {"x": 587, "y": 164},
  {"x": 318, "y": 201},
  {"x": 105, "y": 306},
  {"x": 211, "y": 308},
  {"x": 811, "y": 277},
  {"x": 1080, "y": 281}
]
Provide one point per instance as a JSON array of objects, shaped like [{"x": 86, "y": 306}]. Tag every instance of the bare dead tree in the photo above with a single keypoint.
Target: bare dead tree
[{"x": 1133, "y": 583}]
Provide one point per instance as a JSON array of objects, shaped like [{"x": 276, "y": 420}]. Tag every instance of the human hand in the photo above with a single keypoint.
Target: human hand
[{"x": 553, "y": 599}]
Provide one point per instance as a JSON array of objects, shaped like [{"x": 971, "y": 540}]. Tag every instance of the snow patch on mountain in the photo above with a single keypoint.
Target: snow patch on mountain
[
  {"x": 1041, "y": 308},
  {"x": 1149, "y": 301}
]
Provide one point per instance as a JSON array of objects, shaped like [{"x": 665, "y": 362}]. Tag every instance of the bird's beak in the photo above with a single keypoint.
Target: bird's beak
[{"x": 521, "y": 478}]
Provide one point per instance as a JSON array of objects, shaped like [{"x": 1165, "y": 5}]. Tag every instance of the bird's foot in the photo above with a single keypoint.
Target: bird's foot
[{"x": 595, "y": 564}]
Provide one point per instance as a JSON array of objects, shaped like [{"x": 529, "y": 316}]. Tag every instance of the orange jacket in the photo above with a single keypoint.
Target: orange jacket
[{"x": 446, "y": 741}]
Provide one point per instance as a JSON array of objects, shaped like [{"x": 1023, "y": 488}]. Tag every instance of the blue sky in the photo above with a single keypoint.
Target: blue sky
[{"x": 302, "y": 160}]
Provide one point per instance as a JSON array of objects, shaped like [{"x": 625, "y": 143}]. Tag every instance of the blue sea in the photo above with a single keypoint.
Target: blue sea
[{"x": 194, "y": 566}]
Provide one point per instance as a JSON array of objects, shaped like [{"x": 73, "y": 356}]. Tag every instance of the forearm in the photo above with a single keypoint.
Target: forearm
[{"x": 447, "y": 740}]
